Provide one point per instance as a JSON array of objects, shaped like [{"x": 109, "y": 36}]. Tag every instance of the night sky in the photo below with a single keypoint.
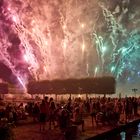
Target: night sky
[{"x": 58, "y": 39}]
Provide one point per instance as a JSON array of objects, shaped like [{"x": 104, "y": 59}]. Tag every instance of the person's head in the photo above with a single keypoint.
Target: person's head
[
  {"x": 51, "y": 99},
  {"x": 43, "y": 102},
  {"x": 46, "y": 98},
  {"x": 52, "y": 105},
  {"x": 36, "y": 104},
  {"x": 77, "y": 110}
]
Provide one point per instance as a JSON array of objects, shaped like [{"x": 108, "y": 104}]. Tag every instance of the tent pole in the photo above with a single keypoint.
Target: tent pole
[
  {"x": 86, "y": 96},
  {"x": 70, "y": 95}
]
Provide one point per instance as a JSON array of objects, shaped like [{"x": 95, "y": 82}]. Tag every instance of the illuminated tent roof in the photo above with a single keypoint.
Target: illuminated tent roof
[{"x": 100, "y": 85}]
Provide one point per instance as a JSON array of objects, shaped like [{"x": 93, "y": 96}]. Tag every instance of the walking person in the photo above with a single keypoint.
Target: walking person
[{"x": 42, "y": 116}]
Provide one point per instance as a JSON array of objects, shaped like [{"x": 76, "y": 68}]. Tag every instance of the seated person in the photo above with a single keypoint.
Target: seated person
[{"x": 77, "y": 118}]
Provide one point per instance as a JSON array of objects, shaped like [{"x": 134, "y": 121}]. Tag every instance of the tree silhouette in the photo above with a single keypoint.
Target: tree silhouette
[
  {"x": 135, "y": 90},
  {"x": 100, "y": 85}
]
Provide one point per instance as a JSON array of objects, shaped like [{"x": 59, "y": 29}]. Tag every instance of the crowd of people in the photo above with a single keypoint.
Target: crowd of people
[{"x": 63, "y": 114}]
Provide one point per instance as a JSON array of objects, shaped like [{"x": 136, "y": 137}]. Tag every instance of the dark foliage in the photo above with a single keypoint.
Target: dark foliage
[{"x": 101, "y": 85}]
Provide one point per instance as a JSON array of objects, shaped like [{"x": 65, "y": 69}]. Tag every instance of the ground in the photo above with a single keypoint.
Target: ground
[{"x": 30, "y": 131}]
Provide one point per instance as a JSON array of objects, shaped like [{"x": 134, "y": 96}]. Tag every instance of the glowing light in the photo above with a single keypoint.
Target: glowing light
[
  {"x": 138, "y": 73},
  {"x": 124, "y": 50},
  {"x": 26, "y": 95},
  {"x": 112, "y": 69},
  {"x": 10, "y": 96},
  {"x": 88, "y": 69},
  {"x": 22, "y": 83},
  {"x": 14, "y": 18},
  {"x": 104, "y": 49},
  {"x": 45, "y": 68},
  {"x": 64, "y": 27},
  {"x": 82, "y": 25},
  {"x": 97, "y": 41},
  {"x": 79, "y": 95},
  {"x": 26, "y": 58},
  {"x": 95, "y": 71},
  {"x": 83, "y": 47}
]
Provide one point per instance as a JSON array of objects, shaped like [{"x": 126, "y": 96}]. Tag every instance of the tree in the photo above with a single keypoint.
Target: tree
[{"x": 135, "y": 90}]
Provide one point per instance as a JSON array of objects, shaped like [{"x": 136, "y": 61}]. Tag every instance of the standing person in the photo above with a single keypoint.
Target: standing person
[
  {"x": 47, "y": 104},
  {"x": 35, "y": 112},
  {"x": 93, "y": 112},
  {"x": 52, "y": 110},
  {"x": 77, "y": 118},
  {"x": 42, "y": 115},
  {"x": 135, "y": 107},
  {"x": 126, "y": 109}
]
